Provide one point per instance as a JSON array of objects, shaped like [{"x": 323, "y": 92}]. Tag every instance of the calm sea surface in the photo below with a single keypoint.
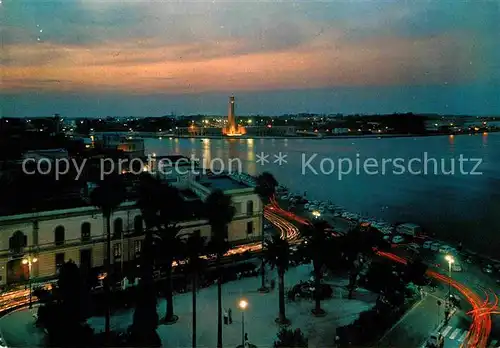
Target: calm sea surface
[{"x": 457, "y": 206}]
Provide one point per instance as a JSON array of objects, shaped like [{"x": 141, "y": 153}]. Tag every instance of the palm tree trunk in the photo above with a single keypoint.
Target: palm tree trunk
[
  {"x": 263, "y": 263},
  {"x": 107, "y": 284},
  {"x": 281, "y": 289},
  {"x": 317, "y": 286},
  {"x": 169, "y": 316},
  {"x": 352, "y": 283},
  {"x": 194, "y": 288},
  {"x": 219, "y": 305},
  {"x": 263, "y": 274}
]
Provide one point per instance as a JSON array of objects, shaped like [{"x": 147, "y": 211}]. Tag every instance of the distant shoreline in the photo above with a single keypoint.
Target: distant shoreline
[
  {"x": 156, "y": 135},
  {"x": 369, "y": 136}
]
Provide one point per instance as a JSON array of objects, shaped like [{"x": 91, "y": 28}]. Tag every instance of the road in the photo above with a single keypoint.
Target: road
[
  {"x": 17, "y": 297},
  {"x": 22, "y": 330},
  {"x": 480, "y": 290},
  {"x": 413, "y": 328},
  {"x": 456, "y": 331},
  {"x": 477, "y": 282},
  {"x": 426, "y": 317}
]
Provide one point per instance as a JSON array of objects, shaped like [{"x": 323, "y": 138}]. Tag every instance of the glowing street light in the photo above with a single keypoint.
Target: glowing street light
[
  {"x": 243, "y": 304},
  {"x": 316, "y": 214},
  {"x": 29, "y": 261}
]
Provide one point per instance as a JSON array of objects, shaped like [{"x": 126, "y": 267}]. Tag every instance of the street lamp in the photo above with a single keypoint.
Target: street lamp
[
  {"x": 438, "y": 307},
  {"x": 316, "y": 214},
  {"x": 450, "y": 260},
  {"x": 243, "y": 305},
  {"x": 29, "y": 261}
]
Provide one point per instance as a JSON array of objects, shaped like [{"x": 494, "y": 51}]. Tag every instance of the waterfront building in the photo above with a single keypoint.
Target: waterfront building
[
  {"x": 78, "y": 233},
  {"x": 131, "y": 147},
  {"x": 177, "y": 170},
  {"x": 283, "y": 131},
  {"x": 49, "y": 154},
  {"x": 340, "y": 130}
]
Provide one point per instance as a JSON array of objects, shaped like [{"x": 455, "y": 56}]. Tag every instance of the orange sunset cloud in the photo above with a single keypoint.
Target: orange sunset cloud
[{"x": 184, "y": 68}]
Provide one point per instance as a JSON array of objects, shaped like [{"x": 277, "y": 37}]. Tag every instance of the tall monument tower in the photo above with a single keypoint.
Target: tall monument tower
[
  {"x": 232, "y": 129},
  {"x": 231, "y": 119}
]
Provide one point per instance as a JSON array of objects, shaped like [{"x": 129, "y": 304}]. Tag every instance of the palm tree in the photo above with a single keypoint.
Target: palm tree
[
  {"x": 317, "y": 246},
  {"x": 358, "y": 246},
  {"x": 219, "y": 212},
  {"x": 265, "y": 188},
  {"x": 354, "y": 244},
  {"x": 162, "y": 208},
  {"x": 65, "y": 312},
  {"x": 172, "y": 212},
  {"x": 108, "y": 196},
  {"x": 194, "y": 248},
  {"x": 145, "y": 318},
  {"x": 277, "y": 255}
]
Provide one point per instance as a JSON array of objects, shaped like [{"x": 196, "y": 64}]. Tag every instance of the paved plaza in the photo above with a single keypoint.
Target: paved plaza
[{"x": 18, "y": 329}]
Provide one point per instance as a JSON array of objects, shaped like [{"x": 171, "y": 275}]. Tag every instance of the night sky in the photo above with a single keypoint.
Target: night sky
[{"x": 150, "y": 58}]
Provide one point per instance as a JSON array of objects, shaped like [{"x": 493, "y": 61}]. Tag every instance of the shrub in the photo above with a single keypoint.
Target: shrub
[
  {"x": 64, "y": 314},
  {"x": 43, "y": 295},
  {"x": 326, "y": 291},
  {"x": 288, "y": 338}
]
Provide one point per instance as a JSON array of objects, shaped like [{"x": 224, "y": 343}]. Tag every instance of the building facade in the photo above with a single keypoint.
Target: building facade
[
  {"x": 78, "y": 234},
  {"x": 131, "y": 147}
]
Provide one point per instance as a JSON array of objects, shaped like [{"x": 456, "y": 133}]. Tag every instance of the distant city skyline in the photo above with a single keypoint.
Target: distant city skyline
[{"x": 134, "y": 58}]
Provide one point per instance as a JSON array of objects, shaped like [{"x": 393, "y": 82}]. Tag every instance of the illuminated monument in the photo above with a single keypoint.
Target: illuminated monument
[{"x": 232, "y": 129}]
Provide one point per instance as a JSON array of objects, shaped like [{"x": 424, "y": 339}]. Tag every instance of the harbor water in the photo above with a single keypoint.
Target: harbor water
[{"x": 449, "y": 198}]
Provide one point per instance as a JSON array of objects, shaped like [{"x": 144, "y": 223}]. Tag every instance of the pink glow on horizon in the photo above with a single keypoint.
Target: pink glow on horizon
[{"x": 194, "y": 68}]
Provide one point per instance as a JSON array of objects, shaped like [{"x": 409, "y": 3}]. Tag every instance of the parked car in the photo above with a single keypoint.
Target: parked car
[
  {"x": 453, "y": 251},
  {"x": 488, "y": 269},
  {"x": 413, "y": 247},
  {"x": 435, "y": 340},
  {"x": 397, "y": 239},
  {"x": 427, "y": 244},
  {"x": 444, "y": 249},
  {"x": 435, "y": 246},
  {"x": 455, "y": 300},
  {"x": 456, "y": 267}
]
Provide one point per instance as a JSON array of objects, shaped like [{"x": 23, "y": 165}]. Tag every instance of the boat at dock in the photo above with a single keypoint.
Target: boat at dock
[{"x": 334, "y": 210}]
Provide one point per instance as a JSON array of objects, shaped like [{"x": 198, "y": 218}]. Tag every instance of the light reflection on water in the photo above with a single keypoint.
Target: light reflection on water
[{"x": 462, "y": 207}]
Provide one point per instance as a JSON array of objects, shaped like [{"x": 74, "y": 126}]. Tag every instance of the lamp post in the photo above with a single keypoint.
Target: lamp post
[
  {"x": 438, "y": 306},
  {"x": 243, "y": 305},
  {"x": 29, "y": 261},
  {"x": 450, "y": 260},
  {"x": 316, "y": 214}
]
